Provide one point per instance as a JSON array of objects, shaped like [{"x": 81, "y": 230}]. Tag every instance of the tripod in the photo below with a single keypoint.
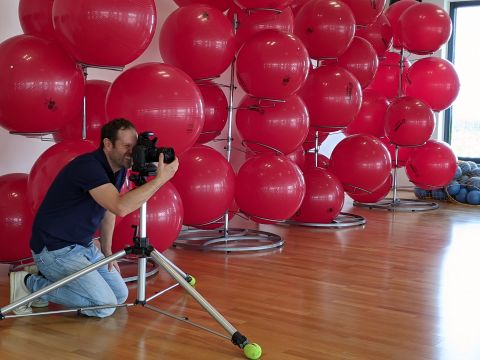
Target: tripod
[{"x": 142, "y": 249}]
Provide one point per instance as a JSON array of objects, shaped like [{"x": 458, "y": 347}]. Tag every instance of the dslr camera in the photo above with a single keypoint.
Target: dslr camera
[{"x": 145, "y": 153}]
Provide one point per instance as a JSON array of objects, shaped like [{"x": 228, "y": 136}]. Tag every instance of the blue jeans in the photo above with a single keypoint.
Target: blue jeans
[{"x": 98, "y": 287}]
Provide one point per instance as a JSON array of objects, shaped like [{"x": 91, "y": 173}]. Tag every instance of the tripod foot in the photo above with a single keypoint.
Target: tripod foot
[
  {"x": 252, "y": 351},
  {"x": 191, "y": 280}
]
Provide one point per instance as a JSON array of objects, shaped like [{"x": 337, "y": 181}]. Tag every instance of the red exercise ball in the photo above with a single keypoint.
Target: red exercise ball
[
  {"x": 272, "y": 64},
  {"x": 325, "y": 27},
  {"x": 361, "y": 162},
  {"x": 393, "y": 14},
  {"x": 297, "y": 157},
  {"x": 361, "y": 60},
  {"x": 333, "y": 97},
  {"x": 434, "y": 81},
  {"x": 164, "y": 221},
  {"x": 324, "y": 197},
  {"x": 205, "y": 182},
  {"x": 220, "y": 222},
  {"x": 313, "y": 160},
  {"x": 402, "y": 154},
  {"x": 159, "y": 98},
  {"x": 387, "y": 78},
  {"x": 431, "y": 165},
  {"x": 221, "y": 5},
  {"x": 366, "y": 11},
  {"x": 423, "y": 28},
  {"x": 374, "y": 196},
  {"x": 95, "y": 116},
  {"x": 198, "y": 39},
  {"x": 269, "y": 187},
  {"x": 107, "y": 32},
  {"x": 409, "y": 122},
  {"x": 314, "y": 138},
  {"x": 379, "y": 34},
  {"x": 36, "y": 18},
  {"x": 264, "y": 4},
  {"x": 265, "y": 126},
  {"x": 215, "y": 107},
  {"x": 48, "y": 165},
  {"x": 371, "y": 117},
  {"x": 41, "y": 87},
  {"x": 250, "y": 22},
  {"x": 16, "y": 218},
  {"x": 296, "y": 5}
]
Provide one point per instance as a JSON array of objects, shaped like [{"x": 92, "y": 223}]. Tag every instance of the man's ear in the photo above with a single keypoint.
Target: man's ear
[{"x": 107, "y": 144}]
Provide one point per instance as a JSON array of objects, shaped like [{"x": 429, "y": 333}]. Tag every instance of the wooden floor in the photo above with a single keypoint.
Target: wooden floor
[{"x": 404, "y": 286}]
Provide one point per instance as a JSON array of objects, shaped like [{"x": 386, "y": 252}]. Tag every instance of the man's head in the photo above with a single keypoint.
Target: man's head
[{"x": 118, "y": 137}]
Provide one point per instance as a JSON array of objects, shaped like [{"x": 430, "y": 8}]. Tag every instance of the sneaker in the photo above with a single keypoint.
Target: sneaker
[
  {"x": 37, "y": 303},
  {"x": 18, "y": 291}
]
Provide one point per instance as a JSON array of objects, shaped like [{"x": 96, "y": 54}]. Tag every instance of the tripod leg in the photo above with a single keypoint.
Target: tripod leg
[
  {"x": 60, "y": 283},
  {"x": 236, "y": 337}
]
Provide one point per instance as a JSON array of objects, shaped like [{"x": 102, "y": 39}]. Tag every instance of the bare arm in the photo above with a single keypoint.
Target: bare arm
[
  {"x": 106, "y": 233},
  {"x": 108, "y": 196}
]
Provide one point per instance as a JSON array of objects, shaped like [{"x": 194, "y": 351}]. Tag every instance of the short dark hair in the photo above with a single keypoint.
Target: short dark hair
[{"x": 110, "y": 129}]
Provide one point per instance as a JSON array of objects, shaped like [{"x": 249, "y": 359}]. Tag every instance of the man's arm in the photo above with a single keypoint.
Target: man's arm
[
  {"x": 106, "y": 233},
  {"x": 109, "y": 198}
]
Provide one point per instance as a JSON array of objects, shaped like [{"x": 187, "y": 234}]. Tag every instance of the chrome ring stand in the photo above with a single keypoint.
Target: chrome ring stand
[{"x": 342, "y": 221}]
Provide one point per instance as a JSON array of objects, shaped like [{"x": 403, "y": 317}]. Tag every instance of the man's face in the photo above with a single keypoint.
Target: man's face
[{"x": 120, "y": 153}]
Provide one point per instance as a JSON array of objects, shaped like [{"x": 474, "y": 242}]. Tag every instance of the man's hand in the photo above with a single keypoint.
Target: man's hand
[{"x": 166, "y": 171}]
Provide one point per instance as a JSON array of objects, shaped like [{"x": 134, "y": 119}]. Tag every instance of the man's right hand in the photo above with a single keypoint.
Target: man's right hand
[{"x": 166, "y": 171}]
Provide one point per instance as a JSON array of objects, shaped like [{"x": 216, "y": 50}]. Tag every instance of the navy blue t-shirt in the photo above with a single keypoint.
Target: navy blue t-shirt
[{"x": 68, "y": 214}]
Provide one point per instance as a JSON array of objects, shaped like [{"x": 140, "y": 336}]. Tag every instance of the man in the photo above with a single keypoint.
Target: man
[{"x": 85, "y": 197}]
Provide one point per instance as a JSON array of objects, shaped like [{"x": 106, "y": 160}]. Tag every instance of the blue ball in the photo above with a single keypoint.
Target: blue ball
[
  {"x": 473, "y": 197},
  {"x": 462, "y": 196},
  {"x": 453, "y": 188},
  {"x": 476, "y": 172},
  {"x": 439, "y": 194},
  {"x": 463, "y": 179},
  {"x": 473, "y": 183},
  {"x": 465, "y": 166},
  {"x": 421, "y": 193},
  {"x": 458, "y": 173},
  {"x": 472, "y": 164}
]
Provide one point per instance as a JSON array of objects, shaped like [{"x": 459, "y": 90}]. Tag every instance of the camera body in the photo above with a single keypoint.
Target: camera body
[{"x": 145, "y": 153}]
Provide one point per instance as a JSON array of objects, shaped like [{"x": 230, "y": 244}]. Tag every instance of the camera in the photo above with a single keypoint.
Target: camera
[{"x": 145, "y": 153}]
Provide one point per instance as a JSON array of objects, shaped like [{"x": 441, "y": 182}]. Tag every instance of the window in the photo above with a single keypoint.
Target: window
[{"x": 462, "y": 120}]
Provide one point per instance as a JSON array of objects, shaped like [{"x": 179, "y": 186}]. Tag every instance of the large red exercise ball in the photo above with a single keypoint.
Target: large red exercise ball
[
  {"x": 361, "y": 162},
  {"x": 16, "y": 218},
  {"x": 297, "y": 156},
  {"x": 361, "y": 60},
  {"x": 265, "y": 4},
  {"x": 434, "y": 81},
  {"x": 250, "y": 22},
  {"x": 41, "y": 87},
  {"x": 387, "y": 79},
  {"x": 269, "y": 186},
  {"x": 198, "y": 39},
  {"x": 423, "y": 28},
  {"x": 48, "y": 165},
  {"x": 399, "y": 154},
  {"x": 431, "y": 165},
  {"x": 324, "y": 197},
  {"x": 409, "y": 121},
  {"x": 374, "y": 196},
  {"x": 164, "y": 221},
  {"x": 393, "y": 14},
  {"x": 315, "y": 160},
  {"x": 371, "y": 117},
  {"x": 296, "y": 5},
  {"x": 95, "y": 115},
  {"x": 107, "y": 32},
  {"x": 366, "y": 11},
  {"x": 272, "y": 64},
  {"x": 205, "y": 182},
  {"x": 333, "y": 97},
  {"x": 220, "y": 222},
  {"x": 221, "y": 5},
  {"x": 379, "y": 34},
  {"x": 325, "y": 27},
  {"x": 159, "y": 98},
  {"x": 215, "y": 107},
  {"x": 36, "y": 18},
  {"x": 265, "y": 126}
]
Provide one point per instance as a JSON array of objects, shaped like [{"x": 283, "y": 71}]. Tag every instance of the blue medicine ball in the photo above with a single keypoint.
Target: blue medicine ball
[
  {"x": 462, "y": 196},
  {"x": 458, "y": 173},
  {"x": 453, "y": 188},
  {"x": 472, "y": 164},
  {"x": 476, "y": 172},
  {"x": 465, "y": 166},
  {"x": 421, "y": 193},
  {"x": 439, "y": 194},
  {"x": 473, "y": 183},
  {"x": 473, "y": 197}
]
